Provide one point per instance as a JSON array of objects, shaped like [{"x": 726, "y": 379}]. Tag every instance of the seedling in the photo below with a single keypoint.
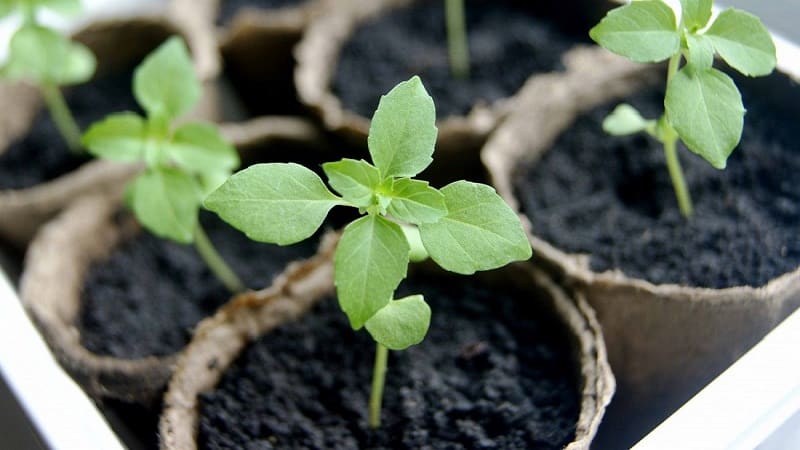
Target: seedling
[
  {"x": 457, "y": 43},
  {"x": 42, "y": 56},
  {"x": 703, "y": 107},
  {"x": 183, "y": 162},
  {"x": 463, "y": 227}
]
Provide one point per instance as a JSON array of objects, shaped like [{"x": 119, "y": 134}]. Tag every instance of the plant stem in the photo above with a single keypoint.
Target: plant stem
[
  {"x": 62, "y": 117},
  {"x": 670, "y": 139},
  {"x": 457, "y": 38},
  {"x": 378, "y": 378},
  {"x": 215, "y": 262}
]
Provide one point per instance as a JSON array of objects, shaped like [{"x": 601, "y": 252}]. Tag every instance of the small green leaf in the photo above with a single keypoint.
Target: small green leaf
[
  {"x": 701, "y": 51},
  {"x": 480, "y": 232},
  {"x": 6, "y": 7},
  {"x": 403, "y": 132},
  {"x": 201, "y": 148},
  {"x": 624, "y": 120},
  {"x": 370, "y": 261},
  {"x": 64, "y": 7},
  {"x": 165, "y": 83},
  {"x": 416, "y": 202},
  {"x": 275, "y": 203},
  {"x": 401, "y": 323},
  {"x": 355, "y": 180},
  {"x": 118, "y": 137},
  {"x": 40, "y": 55},
  {"x": 643, "y": 31},
  {"x": 166, "y": 202},
  {"x": 743, "y": 42},
  {"x": 696, "y": 13},
  {"x": 706, "y": 110}
]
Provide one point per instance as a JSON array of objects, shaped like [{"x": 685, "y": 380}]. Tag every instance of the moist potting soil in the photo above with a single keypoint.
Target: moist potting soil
[
  {"x": 508, "y": 43},
  {"x": 42, "y": 155},
  {"x": 146, "y": 298},
  {"x": 611, "y": 197},
  {"x": 495, "y": 371},
  {"x": 229, "y": 8}
]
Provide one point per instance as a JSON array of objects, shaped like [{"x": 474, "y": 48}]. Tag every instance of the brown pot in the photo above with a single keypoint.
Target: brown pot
[
  {"x": 86, "y": 232},
  {"x": 221, "y": 338},
  {"x": 665, "y": 341},
  {"x": 118, "y": 45}
]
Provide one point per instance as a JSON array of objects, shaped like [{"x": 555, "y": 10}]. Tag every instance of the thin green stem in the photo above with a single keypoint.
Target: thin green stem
[
  {"x": 215, "y": 262},
  {"x": 669, "y": 137},
  {"x": 62, "y": 117},
  {"x": 378, "y": 379},
  {"x": 457, "y": 43}
]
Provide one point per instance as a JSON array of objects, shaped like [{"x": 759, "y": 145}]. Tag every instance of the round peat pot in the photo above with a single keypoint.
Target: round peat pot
[
  {"x": 39, "y": 175},
  {"x": 357, "y": 50},
  {"x": 679, "y": 300},
  {"x": 256, "y": 40},
  {"x": 510, "y": 361},
  {"x": 116, "y": 304}
]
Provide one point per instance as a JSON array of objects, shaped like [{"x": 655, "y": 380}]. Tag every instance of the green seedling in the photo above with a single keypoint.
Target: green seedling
[
  {"x": 457, "y": 43},
  {"x": 183, "y": 162},
  {"x": 42, "y": 56},
  {"x": 703, "y": 107},
  {"x": 464, "y": 227}
]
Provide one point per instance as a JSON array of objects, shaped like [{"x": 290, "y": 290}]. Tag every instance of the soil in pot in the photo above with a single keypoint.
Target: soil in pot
[
  {"x": 508, "y": 43},
  {"x": 42, "y": 155},
  {"x": 494, "y": 372},
  {"x": 611, "y": 197},
  {"x": 229, "y": 8}
]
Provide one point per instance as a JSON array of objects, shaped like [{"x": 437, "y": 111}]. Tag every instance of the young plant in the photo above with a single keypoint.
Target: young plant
[
  {"x": 457, "y": 43},
  {"x": 42, "y": 56},
  {"x": 703, "y": 107},
  {"x": 464, "y": 227},
  {"x": 183, "y": 162}
]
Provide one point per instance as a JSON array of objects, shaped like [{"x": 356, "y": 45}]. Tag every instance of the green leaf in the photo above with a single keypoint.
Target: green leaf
[
  {"x": 166, "y": 202},
  {"x": 480, "y": 231},
  {"x": 403, "y": 132},
  {"x": 643, "y": 31},
  {"x": 165, "y": 83},
  {"x": 64, "y": 7},
  {"x": 7, "y": 7},
  {"x": 200, "y": 148},
  {"x": 743, "y": 42},
  {"x": 416, "y": 202},
  {"x": 276, "y": 202},
  {"x": 701, "y": 51},
  {"x": 370, "y": 261},
  {"x": 118, "y": 137},
  {"x": 401, "y": 323},
  {"x": 624, "y": 120},
  {"x": 696, "y": 13},
  {"x": 706, "y": 110},
  {"x": 355, "y": 180},
  {"x": 39, "y": 54}
]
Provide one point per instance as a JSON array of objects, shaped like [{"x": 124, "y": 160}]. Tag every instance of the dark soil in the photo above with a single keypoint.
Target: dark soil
[
  {"x": 150, "y": 293},
  {"x": 493, "y": 372},
  {"x": 42, "y": 155},
  {"x": 612, "y": 197},
  {"x": 229, "y": 8},
  {"x": 508, "y": 43}
]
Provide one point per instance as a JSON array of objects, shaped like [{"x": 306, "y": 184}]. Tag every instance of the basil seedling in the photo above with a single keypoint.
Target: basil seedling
[
  {"x": 42, "y": 56},
  {"x": 183, "y": 162},
  {"x": 703, "y": 107},
  {"x": 464, "y": 227}
]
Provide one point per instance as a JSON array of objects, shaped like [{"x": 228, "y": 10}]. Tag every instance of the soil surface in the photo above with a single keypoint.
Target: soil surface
[
  {"x": 612, "y": 197},
  {"x": 493, "y": 372},
  {"x": 229, "y": 8},
  {"x": 148, "y": 296},
  {"x": 42, "y": 155},
  {"x": 508, "y": 43}
]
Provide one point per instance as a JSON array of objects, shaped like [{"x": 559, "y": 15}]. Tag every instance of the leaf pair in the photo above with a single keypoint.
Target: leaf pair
[
  {"x": 464, "y": 227},
  {"x": 702, "y": 104},
  {"x": 183, "y": 164}
]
